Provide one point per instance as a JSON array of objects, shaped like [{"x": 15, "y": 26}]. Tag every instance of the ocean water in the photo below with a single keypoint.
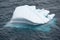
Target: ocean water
[{"x": 7, "y": 8}]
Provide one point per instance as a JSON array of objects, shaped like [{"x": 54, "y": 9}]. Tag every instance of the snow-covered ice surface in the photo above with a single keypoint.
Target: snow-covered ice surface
[
  {"x": 7, "y": 8},
  {"x": 39, "y": 16}
]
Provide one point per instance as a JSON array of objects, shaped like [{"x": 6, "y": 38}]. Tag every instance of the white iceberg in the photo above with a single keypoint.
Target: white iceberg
[{"x": 39, "y": 16}]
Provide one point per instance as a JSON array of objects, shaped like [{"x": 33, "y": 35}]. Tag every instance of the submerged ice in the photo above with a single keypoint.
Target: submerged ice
[{"x": 29, "y": 17}]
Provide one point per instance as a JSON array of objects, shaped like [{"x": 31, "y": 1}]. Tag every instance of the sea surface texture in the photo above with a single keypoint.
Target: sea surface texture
[{"x": 50, "y": 31}]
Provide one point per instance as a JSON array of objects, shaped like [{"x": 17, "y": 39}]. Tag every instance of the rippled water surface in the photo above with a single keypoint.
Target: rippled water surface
[{"x": 7, "y": 8}]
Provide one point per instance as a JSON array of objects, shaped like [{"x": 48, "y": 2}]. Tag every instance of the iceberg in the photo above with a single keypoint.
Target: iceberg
[
  {"x": 28, "y": 17},
  {"x": 38, "y": 16}
]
